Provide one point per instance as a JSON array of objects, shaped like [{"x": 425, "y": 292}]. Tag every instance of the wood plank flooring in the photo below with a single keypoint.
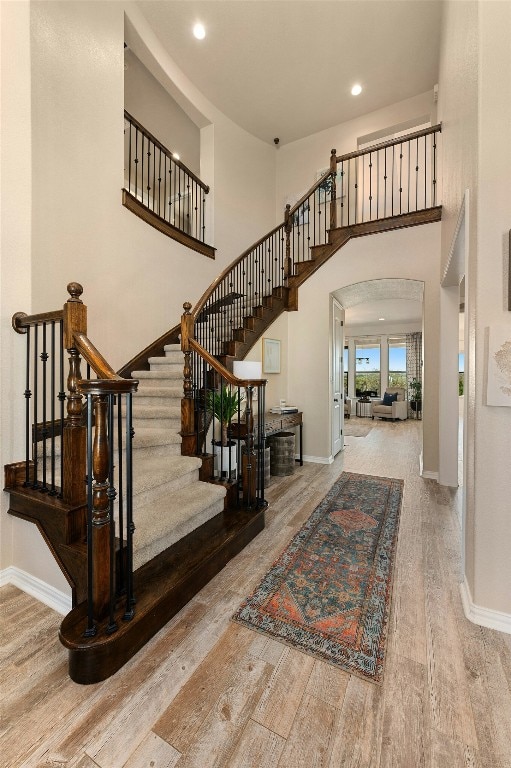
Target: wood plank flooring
[{"x": 208, "y": 693}]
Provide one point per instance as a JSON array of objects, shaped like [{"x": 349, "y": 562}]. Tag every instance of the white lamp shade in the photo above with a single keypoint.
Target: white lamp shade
[{"x": 247, "y": 369}]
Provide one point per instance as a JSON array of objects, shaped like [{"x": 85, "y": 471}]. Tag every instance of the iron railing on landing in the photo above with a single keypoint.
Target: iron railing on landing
[
  {"x": 386, "y": 180},
  {"x": 162, "y": 183}
]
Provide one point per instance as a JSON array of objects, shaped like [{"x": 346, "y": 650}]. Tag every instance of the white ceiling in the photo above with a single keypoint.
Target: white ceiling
[
  {"x": 395, "y": 299},
  {"x": 285, "y": 67}
]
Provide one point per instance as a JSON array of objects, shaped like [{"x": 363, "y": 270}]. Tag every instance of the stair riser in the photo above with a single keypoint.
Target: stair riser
[
  {"x": 157, "y": 378},
  {"x": 149, "y": 495},
  {"x": 167, "y": 367},
  {"x": 166, "y": 449},
  {"x": 172, "y": 401},
  {"x": 146, "y": 553}
]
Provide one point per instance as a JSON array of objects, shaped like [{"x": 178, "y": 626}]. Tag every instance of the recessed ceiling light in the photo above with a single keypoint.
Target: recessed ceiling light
[
  {"x": 356, "y": 90},
  {"x": 199, "y": 31},
  {"x": 381, "y": 318}
]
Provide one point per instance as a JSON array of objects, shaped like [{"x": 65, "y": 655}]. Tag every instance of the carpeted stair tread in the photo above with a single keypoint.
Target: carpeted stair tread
[
  {"x": 159, "y": 391},
  {"x": 151, "y": 436},
  {"x": 168, "y": 518},
  {"x": 173, "y": 472},
  {"x": 148, "y": 377},
  {"x": 167, "y": 362},
  {"x": 141, "y": 411}
]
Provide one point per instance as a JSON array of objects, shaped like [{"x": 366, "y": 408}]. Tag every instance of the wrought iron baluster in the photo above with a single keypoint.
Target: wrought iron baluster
[
  {"x": 434, "y": 168},
  {"x": 62, "y": 400},
  {"x": 44, "y": 428},
  {"x": 417, "y": 175},
  {"x": 111, "y": 495},
  {"x": 121, "y": 586},
  {"x": 28, "y": 395},
  {"x": 35, "y": 401},
  {"x": 90, "y": 630},
  {"x": 136, "y": 161},
  {"x": 130, "y": 527},
  {"x": 409, "y": 168},
  {"x": 53, "y": 397}
]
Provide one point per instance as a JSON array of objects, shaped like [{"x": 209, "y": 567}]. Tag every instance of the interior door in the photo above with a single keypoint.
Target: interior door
[{"x": 337, "y": 377}]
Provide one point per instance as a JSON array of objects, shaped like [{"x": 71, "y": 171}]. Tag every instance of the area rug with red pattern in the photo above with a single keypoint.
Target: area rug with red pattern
[{"x": 329, "y": 592}]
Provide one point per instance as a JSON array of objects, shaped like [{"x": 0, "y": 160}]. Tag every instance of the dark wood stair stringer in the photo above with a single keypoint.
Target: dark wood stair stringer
[
  {"x": 162, "y": 587},
  {"x": 62, "y": 526},
  {"x": 286, "y": 299}
]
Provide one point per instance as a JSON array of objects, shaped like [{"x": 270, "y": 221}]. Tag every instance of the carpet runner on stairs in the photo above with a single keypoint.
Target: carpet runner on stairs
[{"x": 169, "y": 500}]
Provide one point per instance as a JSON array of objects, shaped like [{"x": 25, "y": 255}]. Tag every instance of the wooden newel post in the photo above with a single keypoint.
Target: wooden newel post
[
  {"x": 333, "y": 196},
  {"x": 75, "y": 431},
  {"x": 288, "y": 226},
  {"x": 101, "y": 517},
  {"x": 189, "y": 441}
]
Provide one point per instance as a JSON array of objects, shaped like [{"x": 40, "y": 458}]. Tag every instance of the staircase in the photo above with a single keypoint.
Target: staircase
[
  {"x": 163, "y": 475},
  {"x": 155, "y": 522}
]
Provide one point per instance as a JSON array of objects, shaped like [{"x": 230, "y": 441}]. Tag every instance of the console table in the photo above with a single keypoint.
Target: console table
[
  {"x": 273, "y": 424},
  {"x": 281, "y": 422}
]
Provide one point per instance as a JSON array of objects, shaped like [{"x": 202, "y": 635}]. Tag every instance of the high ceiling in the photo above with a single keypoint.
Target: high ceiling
[{"x": 286, "y": 67}]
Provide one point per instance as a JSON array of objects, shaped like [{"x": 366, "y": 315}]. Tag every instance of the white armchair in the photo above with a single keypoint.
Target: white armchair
[{"x": 393, "y": 405}]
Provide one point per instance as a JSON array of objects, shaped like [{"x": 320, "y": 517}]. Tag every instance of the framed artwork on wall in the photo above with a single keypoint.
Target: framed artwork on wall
[
  {"x": 499, "y": 366},
  {"x": 271, "y": 356}
]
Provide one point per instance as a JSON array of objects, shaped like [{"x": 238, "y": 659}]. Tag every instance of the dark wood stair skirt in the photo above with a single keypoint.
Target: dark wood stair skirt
[
  {"x": 161, "y": 587},
  {"x": 135, "y": 206}
]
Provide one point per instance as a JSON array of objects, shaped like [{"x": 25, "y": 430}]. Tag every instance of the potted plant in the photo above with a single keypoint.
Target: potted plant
[
  {"x": 416, "y": 395},
  {"x": 224, "y": 403}
]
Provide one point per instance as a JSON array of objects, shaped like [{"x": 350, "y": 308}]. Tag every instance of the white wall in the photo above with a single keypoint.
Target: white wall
[
  {"x": 492, "y": 531},
  {"x": 81, "y": 232},
  {"x": 62, "y": 101},
  {"x": 412, "y": 253},
  {"x": 149, "y": 103},
  {"x": 475, "y": 110}
]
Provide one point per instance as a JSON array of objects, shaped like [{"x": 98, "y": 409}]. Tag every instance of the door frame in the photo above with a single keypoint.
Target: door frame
[{"x": 336, "y": 306}]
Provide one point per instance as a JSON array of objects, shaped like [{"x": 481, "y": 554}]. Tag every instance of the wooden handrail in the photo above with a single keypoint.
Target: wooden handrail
[
  {"x": 166, "y": 151},
  {"x": 21, "y": 321},
  {"x": 390, "y": 143},
  {"x": 219, "y": 368},
  {"x": 207, "y": 293},
  {"x": 94, "y": 358}
]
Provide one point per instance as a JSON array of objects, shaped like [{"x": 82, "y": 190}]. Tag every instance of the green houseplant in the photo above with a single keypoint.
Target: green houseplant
[
  {"x": 224, "y": 404},
  {"x": 416, "y": 395}
]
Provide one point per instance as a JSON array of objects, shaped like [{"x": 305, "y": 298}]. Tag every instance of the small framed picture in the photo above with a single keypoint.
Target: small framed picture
[{"x": 271, "y": 356}]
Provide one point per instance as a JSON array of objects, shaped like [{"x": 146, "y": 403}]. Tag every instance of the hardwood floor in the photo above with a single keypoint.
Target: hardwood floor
[{"x": 208, "y": 693}]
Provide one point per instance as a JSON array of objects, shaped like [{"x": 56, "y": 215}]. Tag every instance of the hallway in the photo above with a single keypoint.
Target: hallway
[{"x": 206, "y": 692}]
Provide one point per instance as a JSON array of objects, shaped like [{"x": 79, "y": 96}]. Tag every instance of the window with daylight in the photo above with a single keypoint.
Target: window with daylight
[
  {"x": 397, "y": 361},
  {"x": 367, "y": 367},
  {"x": 345, "y": 370}
]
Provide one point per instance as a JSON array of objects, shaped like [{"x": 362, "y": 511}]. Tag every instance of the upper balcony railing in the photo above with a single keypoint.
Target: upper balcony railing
[
  {"x": 162, "y": 183},
  {"x": 381, "y": 182}
]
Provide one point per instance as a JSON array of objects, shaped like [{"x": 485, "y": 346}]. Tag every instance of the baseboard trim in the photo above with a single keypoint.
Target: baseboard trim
[
  {"x": 425, "y": 473},
  {"x": 37, "y": 588},
  {"x": 429, "y": 475},
  {"x": 318, "y": 459},
  {"x": 483, "y": 616}
]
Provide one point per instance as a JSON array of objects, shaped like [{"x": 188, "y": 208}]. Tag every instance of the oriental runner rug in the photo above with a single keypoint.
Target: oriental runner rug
[{"x": 329, "y": 592}]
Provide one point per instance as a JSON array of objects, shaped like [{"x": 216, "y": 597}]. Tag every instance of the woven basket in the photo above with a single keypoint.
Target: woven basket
[{"x": 282, "y": 453}]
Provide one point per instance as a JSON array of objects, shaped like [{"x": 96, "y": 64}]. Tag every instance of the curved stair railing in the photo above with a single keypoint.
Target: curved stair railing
[
  {"x": 360, "y": 192},
  {"x": 162, "y": 190},
  {"x": 218, "y": 410}
]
